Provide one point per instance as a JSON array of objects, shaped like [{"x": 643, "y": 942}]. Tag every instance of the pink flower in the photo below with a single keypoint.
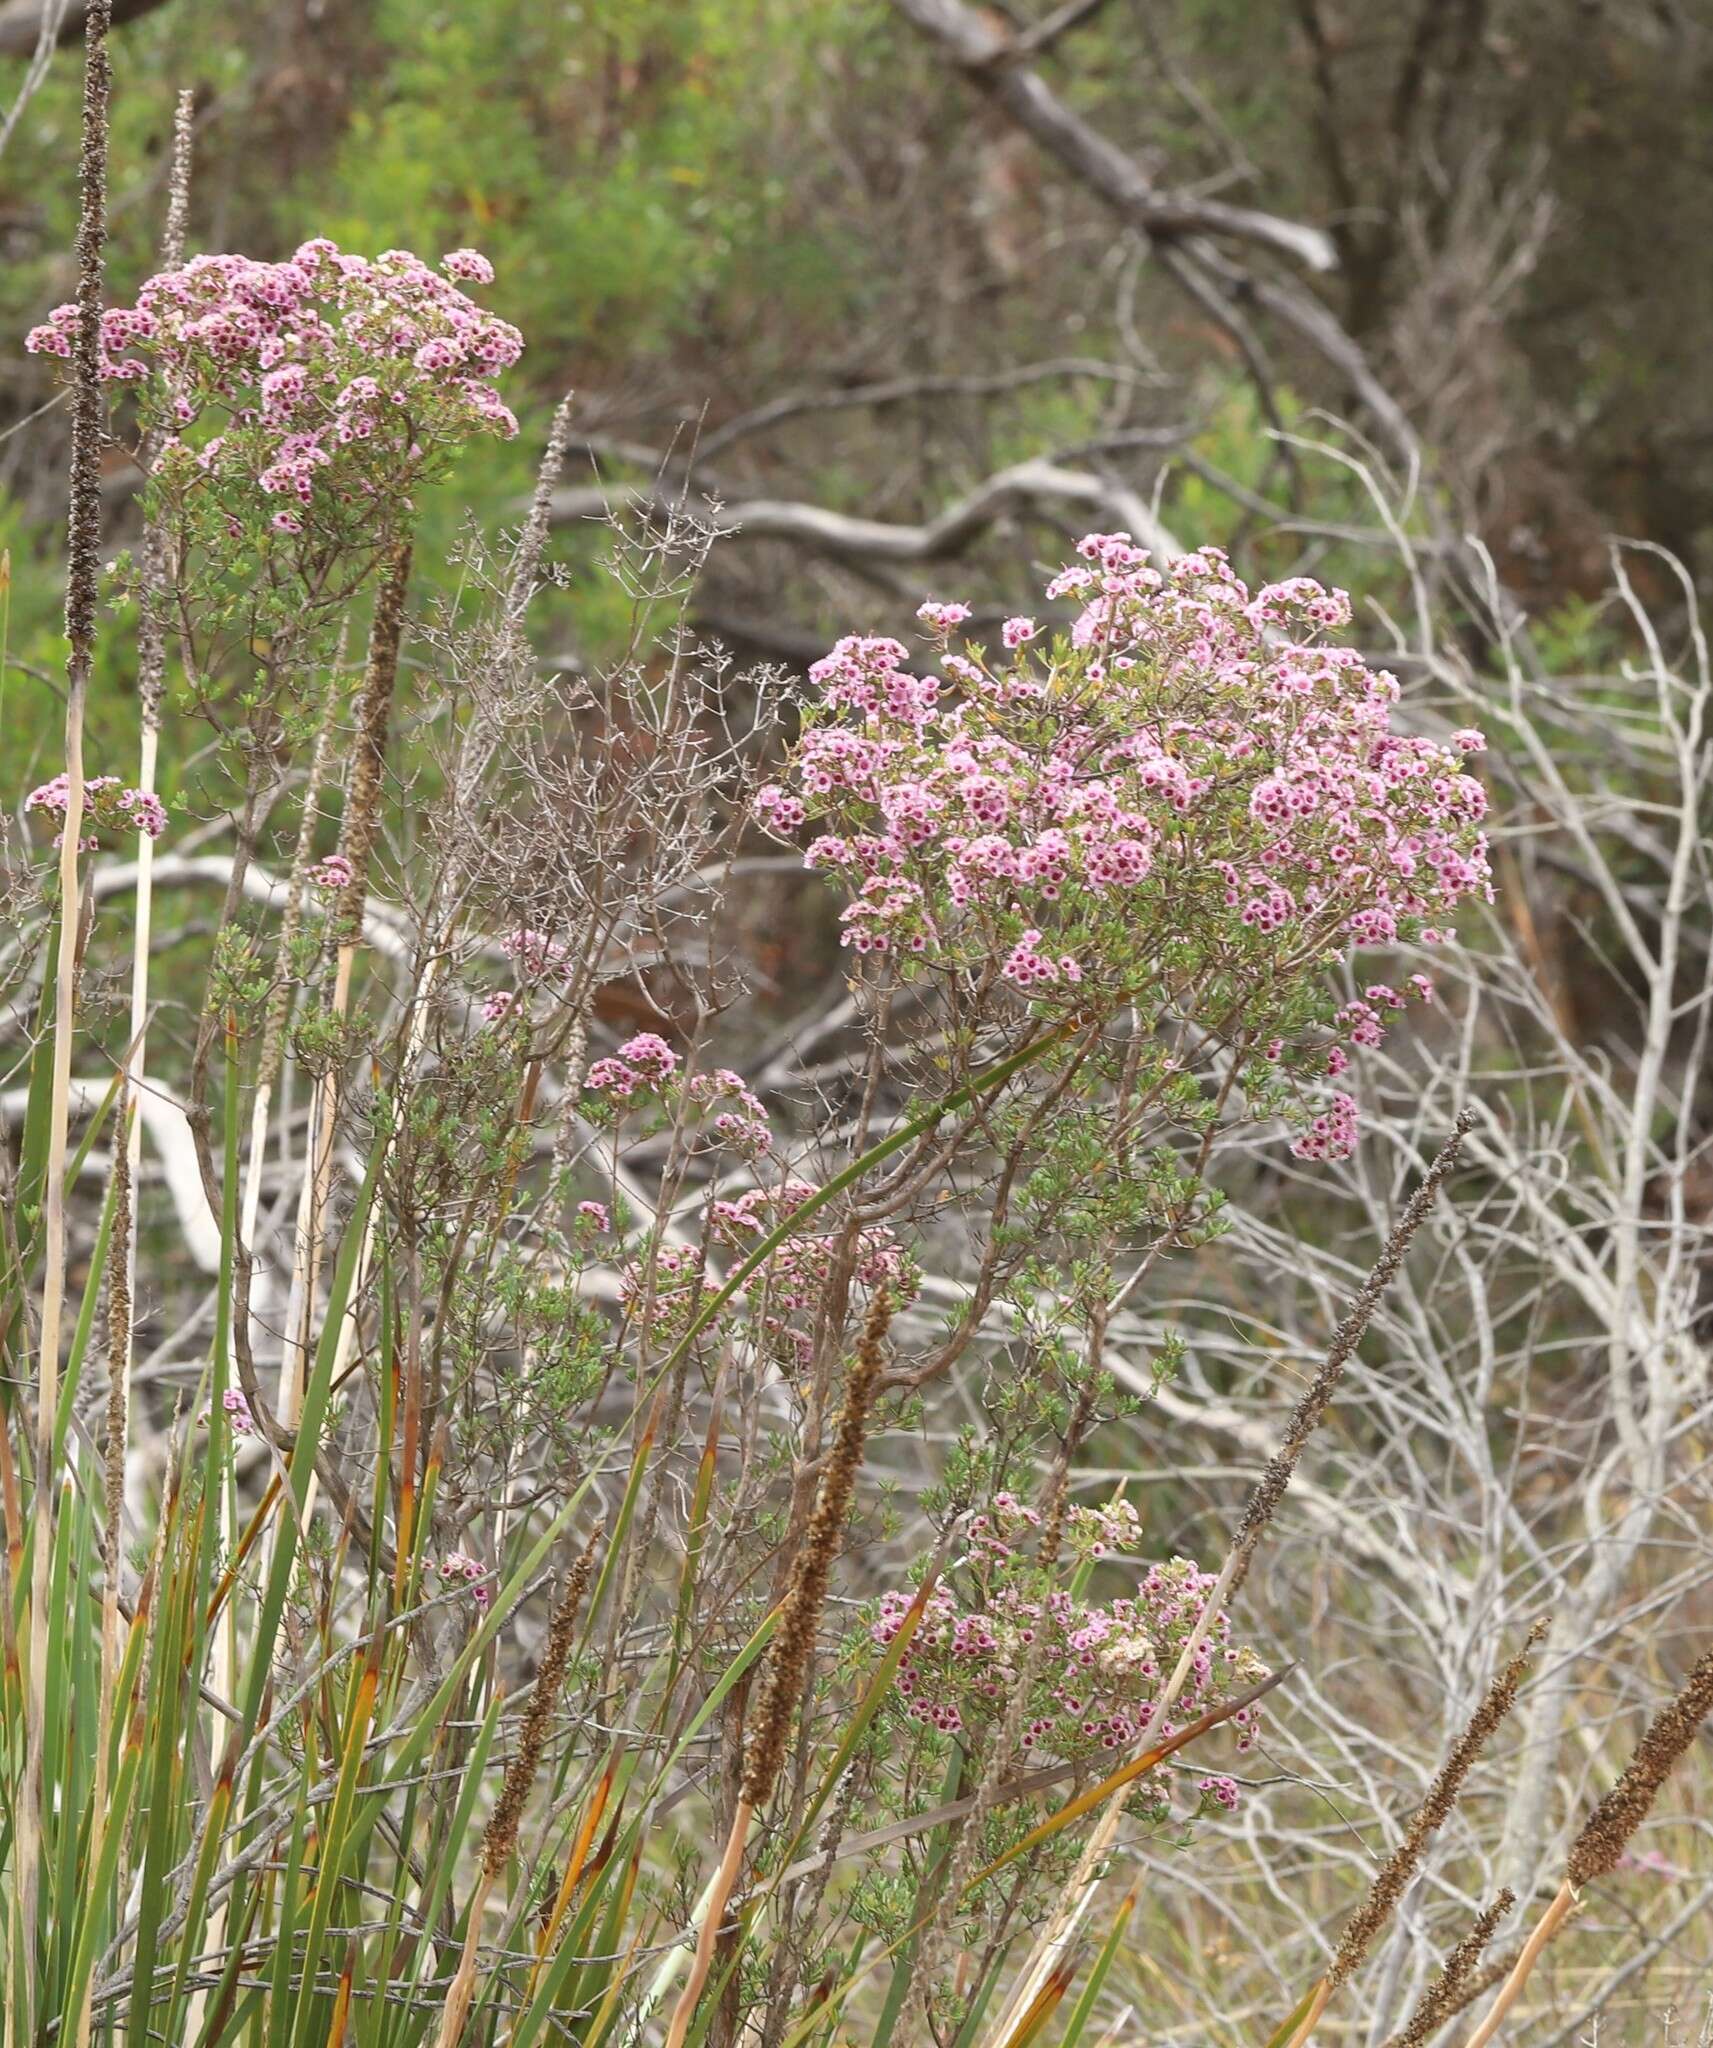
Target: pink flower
[
  {"x": 105, "y": 803},
  {"x": 612, "y": 1077},
  {"x": 941, "y": 618},
  {"x": 1016, "y": 632},
  {"x": 333, "y": 873},
  {"x": 595, "y": 1215},
  {"x": 455, "y": 1567},
  {"x": 469, "y": 266},
  {"x": 535, "y": 953},
  {"x": 649, "y": 1056},
  {"x": 1332, "y": 1135}
]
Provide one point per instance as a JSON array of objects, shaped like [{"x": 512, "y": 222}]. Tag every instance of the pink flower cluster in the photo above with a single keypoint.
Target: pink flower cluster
[
  {"x": 738, "y": 1120},
  {"x": 328, "y": 375},
  {"x": 645, "y": 1061},
  {"x": 786, "y": 1294},
  {"x": 795, "y": 1278},
  {"x": 457, "y": 1569},
  {"x": 538, "y": 957},
  {"x": 1197, "y": 776},
  {"x": 332, "y": 874},
  {"x": 1332, "y": 1134},
  {"x": 1098, "y": 1670},
  {"x": 535, "y": 954},
  {"x": 669, "y": 1297},
  {"x": 722, "y": 1100},
  {"x": 106, "y": 803}
]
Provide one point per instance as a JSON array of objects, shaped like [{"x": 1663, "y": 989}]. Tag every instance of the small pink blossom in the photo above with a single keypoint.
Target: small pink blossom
[
  {"x": 650, "y": 1056},
  {"x": 469, "y": 266},
  {"x": 456, "y": 1568},
  {"x": 333, "y": 873}
]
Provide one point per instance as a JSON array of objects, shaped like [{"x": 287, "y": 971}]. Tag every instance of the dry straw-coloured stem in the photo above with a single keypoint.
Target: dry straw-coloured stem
[
  {"x": 793, "y": 1643},
  {"x": 113, "y": 1499},
  {"x": 1610, "y": 1826},
  {"x": 83, "y": 575}
]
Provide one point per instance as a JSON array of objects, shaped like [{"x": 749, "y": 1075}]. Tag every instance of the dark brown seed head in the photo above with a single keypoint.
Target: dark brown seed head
[
  {"x": 1457, "y": 1983},
  {"x": 501, "y": 1837},
  {"x": 1597, "y": 1849},
  {"x": 374, "y": 718},
  {"x": 800, "y": 1612}
]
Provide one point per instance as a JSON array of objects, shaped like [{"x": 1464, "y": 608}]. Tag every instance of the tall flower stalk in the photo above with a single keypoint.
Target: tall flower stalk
[{"x": 83, "y": 569}]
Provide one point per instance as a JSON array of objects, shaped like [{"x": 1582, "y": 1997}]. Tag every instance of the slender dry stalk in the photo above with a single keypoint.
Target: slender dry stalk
[
  {"x": 278, "y": 1012},
  {"x": 83, "y": 572},
  {"x": 361, "y": 828},
  {"x": 500, "y": 1839},
  {"x": 155, "y": 565},
  {"x": 1434, "y": 1811},
  {"x": 1264, "y": 1501},
  {"x": 1610, "y": 1826},
  {"x": 1455, "y": 1984},
  {"x": 793, "y": 1643},
  {"x": 152, "y": 653},
  {"x": 119, "y": 1267}
]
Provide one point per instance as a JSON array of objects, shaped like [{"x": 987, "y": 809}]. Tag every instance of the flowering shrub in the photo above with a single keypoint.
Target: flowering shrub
[
  {"x": 1093, "y": 1671},
  {"x": 1193, "y": 805},
  {"x": 298, "y": 404}
]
